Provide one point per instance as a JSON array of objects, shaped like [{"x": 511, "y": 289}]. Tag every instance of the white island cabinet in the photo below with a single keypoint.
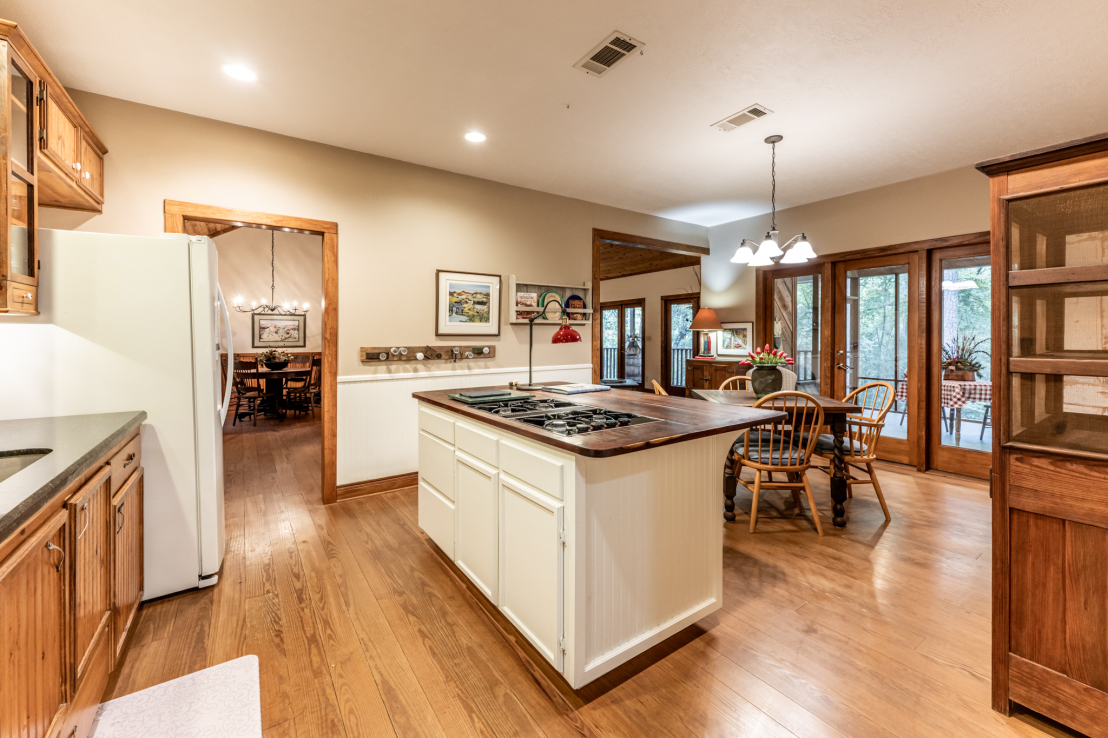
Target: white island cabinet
[{"x": 593, "y": 560}]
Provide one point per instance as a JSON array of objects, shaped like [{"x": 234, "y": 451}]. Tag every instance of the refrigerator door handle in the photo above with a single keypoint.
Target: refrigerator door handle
[{"x": 230, "y": 359}]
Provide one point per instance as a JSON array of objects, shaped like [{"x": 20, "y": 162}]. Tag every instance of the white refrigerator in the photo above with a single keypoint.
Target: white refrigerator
[{"x": 136, "y": 323}]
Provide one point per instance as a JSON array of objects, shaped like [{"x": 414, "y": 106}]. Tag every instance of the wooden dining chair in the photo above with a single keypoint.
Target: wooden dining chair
[
  {"x": 741, "y": 381},
  {"x": 863, "y": 431},
  {"x": 784, "y": 447},
  {"x": 303, "y": 398},
  {"x": 788, "y": 383},
  {"x": 247, "y": 389},
  {"x": 658, "y": 389}
]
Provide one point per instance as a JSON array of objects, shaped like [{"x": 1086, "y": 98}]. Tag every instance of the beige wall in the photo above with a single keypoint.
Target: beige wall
[
  {"x": 945, "y": 204},
  {"x": 244, "y": 272},
  {"x": 398, "y": 222},
  {"x": 651, "y": 287}
]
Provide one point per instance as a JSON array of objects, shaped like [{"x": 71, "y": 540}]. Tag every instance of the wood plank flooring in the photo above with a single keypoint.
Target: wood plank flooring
[{"x": 362, "y": 629}]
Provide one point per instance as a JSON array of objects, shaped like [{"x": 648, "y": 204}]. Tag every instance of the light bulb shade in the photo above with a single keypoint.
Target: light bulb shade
[
  {"x": 769, "y": 247},
  {"x": 566, "y": 334},
  {"x": 804, "y": 248},
  {"x": 706, "y": 320},
  {"x": 742, "y": 256},
  {"x": 762, "y": 256},
  {"x": 793, "y": 256}
]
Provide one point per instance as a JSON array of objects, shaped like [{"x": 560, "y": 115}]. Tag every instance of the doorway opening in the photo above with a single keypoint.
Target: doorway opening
[{"x": 223, "y": 223}]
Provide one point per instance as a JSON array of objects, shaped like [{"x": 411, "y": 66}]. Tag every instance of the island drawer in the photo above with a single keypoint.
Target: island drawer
[
  {"x": 475, "y": 443},
  {"x": 542, "y": 472},
  {"x": 436, "y": 518},
  {"x": 436, "y": 425},
  {"x": 436, "y": 464}
]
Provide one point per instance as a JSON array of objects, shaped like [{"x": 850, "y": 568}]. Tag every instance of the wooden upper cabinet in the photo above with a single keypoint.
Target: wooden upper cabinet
[
  {"x": 66, "y": 148},
  {"x": 32, "y": 633},
  {"x": 91, "y": 170},
  {"x": 60, "y": 136}
]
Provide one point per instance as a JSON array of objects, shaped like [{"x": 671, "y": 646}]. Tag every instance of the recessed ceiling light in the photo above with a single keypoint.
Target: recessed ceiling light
[
  {"x": 239, "y": 72},
  {"x": 475, "y": 137}
]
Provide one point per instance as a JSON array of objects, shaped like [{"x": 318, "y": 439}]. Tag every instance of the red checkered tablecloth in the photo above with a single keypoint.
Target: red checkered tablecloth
[{"x": 956, "y": 394}]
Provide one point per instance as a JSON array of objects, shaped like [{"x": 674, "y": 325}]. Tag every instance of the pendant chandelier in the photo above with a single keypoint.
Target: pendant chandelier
[
  {"x": 768, "y": 250},
  {"x": 272, "y": 308}
]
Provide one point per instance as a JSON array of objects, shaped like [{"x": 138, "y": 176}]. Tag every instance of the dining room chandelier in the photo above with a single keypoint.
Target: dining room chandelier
[
  {"x": 272, "y": 307},
  {"x": 769, "y": 250}
]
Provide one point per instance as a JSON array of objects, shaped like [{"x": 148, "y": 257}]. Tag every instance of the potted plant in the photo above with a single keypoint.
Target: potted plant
[
  {"x": 765, "y": 379},
  {"x": 960, "y": 362},
  {"x": 274, "y": 359}
]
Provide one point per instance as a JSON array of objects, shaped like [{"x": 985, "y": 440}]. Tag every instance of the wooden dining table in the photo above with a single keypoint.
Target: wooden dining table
[
  {"x": 275, "y": 383},
  {"x": 834, "y": 415}
]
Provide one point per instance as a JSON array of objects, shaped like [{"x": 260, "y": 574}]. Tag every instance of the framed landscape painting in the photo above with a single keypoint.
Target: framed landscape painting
[
  {"x": 735, "y": 339},
  {"x": 279, "y": 331},
  {"x": 467, "y": 304}
]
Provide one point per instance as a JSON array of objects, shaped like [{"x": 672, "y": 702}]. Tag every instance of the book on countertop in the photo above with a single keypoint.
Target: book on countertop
[{"x": 576, "y": 389}]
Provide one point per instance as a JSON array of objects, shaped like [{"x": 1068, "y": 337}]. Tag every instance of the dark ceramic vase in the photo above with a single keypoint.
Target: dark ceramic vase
[
  {"x": 765, "y": 380},
  {"x": 274, "y": 365}
]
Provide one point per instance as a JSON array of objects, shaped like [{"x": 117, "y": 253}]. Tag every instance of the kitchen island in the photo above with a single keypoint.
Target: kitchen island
[{"x": 593, "y": 522}]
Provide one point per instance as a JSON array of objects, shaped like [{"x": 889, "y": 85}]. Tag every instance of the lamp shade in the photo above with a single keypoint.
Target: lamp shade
[
  {"x": 743, "y": 255},
  {"x": 566, "y": 334},
  {"x": 706, "y": 320}
]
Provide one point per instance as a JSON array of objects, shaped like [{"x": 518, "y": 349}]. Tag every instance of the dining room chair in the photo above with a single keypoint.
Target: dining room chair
[
  {"x": 985, "y": 421},
  {"x": 658, "y": 389},
  {"x": 788, "y": 384},
  {"x": 863, "y": 431},
  {"x": 741, "y": 381},
  {"x": 247, "y": 388},
  {"x": 302, "y": 398},
  {"x": 783, "y": 446}
]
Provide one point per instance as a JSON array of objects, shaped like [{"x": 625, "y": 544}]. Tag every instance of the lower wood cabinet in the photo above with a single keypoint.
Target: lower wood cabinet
[
  {"x": 710, "y": 373},
  {"x": 33, "y": 621},
  {"x": 127, "y": 517},
  {"x": 69, "y": 592},
  {"x": 90, "y": 531},
  {"x": 476, "y": 520}
]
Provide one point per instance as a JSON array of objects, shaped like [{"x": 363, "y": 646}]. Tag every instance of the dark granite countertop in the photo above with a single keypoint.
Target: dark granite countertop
[
  {"x": 76, "y": 442},
  {"x": 682, "y": 419}
]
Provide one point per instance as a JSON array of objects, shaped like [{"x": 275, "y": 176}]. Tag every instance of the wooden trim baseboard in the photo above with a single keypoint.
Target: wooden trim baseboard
[{"x": 377, "y": 486}]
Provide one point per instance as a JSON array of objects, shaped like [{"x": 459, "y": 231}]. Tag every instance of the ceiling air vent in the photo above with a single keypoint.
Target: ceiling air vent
[
  {"x": 615, "y": 49},
  {"x": 731, "y": 122}
]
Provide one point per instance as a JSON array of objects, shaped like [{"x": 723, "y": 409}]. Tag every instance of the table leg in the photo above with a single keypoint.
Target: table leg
[
  {"x": 730, "y": 485},
  {"x": 838, "y": 473},
  {"x": 957, "y": 426}
]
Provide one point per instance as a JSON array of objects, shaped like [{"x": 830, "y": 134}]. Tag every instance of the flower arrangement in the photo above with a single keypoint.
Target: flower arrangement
[
  {"x": 960, "y": 354},
  {"x": 274, "y": 356},
  {"x": 767, "y": 357}
]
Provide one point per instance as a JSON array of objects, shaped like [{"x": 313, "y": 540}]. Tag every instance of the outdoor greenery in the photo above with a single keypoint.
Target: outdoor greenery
[{"x": 882, "y": 350}]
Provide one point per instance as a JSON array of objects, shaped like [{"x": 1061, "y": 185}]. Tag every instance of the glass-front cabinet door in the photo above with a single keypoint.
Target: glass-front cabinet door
[{"x": 18, "y": 240}]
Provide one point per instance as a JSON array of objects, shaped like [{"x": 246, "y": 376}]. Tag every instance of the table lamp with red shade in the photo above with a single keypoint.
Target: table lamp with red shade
[
  {"x": 564, "y": 334},
  {"x": 705, "y": 321}
]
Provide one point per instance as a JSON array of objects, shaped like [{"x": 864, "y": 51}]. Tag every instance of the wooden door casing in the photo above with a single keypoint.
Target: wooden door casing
[
  {"x": 33, "y": 604},
  {"x": 667, "y": 331},
  {"x": 91, "y": 535},
  {"x": 127, "y": 556}
]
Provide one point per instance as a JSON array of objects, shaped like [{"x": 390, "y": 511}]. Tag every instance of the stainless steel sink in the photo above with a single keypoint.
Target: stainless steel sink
[{"x": 13, "y": 462}]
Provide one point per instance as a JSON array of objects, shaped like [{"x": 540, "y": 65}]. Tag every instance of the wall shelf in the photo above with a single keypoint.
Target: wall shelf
[{"x": 515, "y": 286}]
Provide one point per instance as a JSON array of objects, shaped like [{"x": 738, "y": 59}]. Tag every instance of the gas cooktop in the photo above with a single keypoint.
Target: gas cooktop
[{"x": 564, "y": 418}]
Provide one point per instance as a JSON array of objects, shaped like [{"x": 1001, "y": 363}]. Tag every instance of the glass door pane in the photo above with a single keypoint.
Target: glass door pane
[
  {"x": 609, "y": 344},
  {"x": 877, "y": 336},
  {"x": 22, "y": 261},
  {"x": 966, "y": 354},
  {"x": 632, "y": 344},
  {"x": 680, "y": 341},
  {"x": 22, "y": 119},
  {"x": 796, "y": 326}
]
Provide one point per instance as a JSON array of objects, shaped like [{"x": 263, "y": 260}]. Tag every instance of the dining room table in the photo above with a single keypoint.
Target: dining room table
[
  {"x": 835, "y": 413},
  {"x": 956, "y": 395},
  {"x": 275, "y": 384}
]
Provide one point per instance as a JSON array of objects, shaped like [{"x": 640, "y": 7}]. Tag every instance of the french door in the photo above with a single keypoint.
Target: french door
[
  {"x": 677, "y": 340},
  {"x": 621, "y": 342},
  {"x": 878, "y": 339},
  {"x": 961, "y": 422}
]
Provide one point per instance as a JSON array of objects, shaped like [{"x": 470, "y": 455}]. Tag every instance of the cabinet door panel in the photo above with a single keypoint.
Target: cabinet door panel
[
  {"x": 127, "y": 519},
  {"x": 91, "y": 174},
  {"x": 536, "y": 469},
  {"x": 62, "y": 137},
  {"x": 89, "y": 523},
  {"x": 531, "y": 556},
  {"x": 436, "y": 464},
  {"x": 436, "y": 517},
  {"x": 32, "y": 632},
  {"x": 476, "y": 522}
]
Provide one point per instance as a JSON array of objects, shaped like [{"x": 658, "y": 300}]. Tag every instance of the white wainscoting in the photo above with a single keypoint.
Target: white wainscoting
[{"x": 378, "y": 422}]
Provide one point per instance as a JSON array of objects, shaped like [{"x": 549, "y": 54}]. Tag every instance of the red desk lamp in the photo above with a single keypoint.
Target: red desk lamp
[{"x": 564, "y": 334}]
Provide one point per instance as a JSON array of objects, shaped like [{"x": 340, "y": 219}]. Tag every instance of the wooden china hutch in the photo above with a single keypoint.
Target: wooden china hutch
[
  {"x": 1050, "y": 451},
  {"x": 51, "y": 158}
]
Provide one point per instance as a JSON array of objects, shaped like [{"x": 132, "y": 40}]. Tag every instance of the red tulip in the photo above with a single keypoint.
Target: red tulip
[
  {"x": 767, "y": 347},
  {"x": 790, "y": 361},
  {"x": 744, "y": 363}
]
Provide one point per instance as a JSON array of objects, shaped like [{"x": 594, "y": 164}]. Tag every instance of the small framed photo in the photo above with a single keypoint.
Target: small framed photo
[
  {"x": 279, "y": 331},
  {"x": 467, "y": 304},
  {"x": 735, "y": 339}
]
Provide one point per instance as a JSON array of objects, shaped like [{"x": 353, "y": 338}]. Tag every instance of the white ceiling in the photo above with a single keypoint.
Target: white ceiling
[{"x": 866, "y": 92}]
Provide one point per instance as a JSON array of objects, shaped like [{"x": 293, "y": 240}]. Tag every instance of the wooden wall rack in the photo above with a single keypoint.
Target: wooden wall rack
[{"x": 428, "y": 352}]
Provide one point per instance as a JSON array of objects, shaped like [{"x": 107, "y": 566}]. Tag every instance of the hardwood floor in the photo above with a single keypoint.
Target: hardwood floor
[{"x": 362, "y": 629}]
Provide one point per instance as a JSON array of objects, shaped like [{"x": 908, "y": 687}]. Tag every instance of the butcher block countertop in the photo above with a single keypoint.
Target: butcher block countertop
[{"x": 682, "y": 419}]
